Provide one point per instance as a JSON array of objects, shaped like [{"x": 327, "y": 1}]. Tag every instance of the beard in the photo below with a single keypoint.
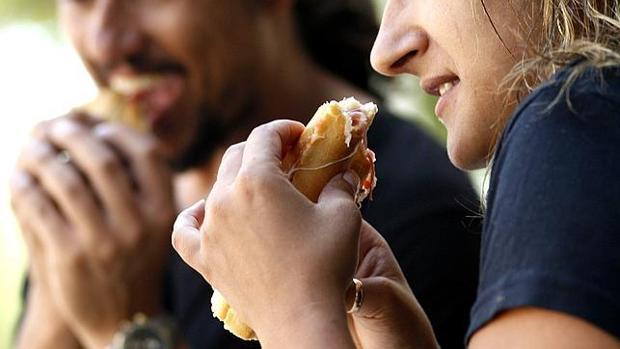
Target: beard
[
  {"x": 213, "y": 133},
  {"x": 209, "y": 136}
]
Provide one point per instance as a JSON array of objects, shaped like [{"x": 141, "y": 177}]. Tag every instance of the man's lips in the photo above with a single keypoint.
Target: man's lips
[{"x": 154, "y": 94}]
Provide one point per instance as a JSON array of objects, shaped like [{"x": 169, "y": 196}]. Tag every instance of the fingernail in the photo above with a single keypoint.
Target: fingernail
[
  {"x": 20, "y": 180},
  {"x": 103, "y": 130},
  {"x": 64, "y": 128},
  {"x": 352, "y": 178}
]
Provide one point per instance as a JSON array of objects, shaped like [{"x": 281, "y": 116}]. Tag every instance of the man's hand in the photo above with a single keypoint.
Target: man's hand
[
  {"x": 42, "y": 325},
  {"x": 99, "y": 202}
]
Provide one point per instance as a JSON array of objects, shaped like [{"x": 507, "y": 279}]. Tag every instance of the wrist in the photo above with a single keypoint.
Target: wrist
[
  {"x": 314, "y": 325},
  {"x": 42, "y": 326},
  {"x": 102, "y": 334},
  {"x": 99, "y": 340}
]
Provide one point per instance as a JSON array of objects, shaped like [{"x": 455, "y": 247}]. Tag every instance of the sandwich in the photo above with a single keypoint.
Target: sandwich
[
  {"x": 333, "y": 142},
  {"x": 126, "y": 100}
]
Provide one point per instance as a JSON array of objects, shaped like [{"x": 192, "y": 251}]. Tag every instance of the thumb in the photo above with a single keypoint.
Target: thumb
[
  {"x": 382, "y": 298},
  {"x": 343, "y": 187}
]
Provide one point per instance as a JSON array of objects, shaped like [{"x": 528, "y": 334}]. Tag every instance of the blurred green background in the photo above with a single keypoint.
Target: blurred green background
[
  {"x": 29, "y": 46},
  {"x": 33, "y": 58},
  {"x": 12, "y": 257}
]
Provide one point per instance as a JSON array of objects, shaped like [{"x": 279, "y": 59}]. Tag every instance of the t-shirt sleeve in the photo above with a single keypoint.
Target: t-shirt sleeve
[{"x": 552, "y": 236}]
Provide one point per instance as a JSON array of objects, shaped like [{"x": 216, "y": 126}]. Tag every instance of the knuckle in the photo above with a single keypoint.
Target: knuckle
[
  {"x": 233, "y": 150},
  {"x": 68, "y": 129},
  {"x": 252, "y": 186},
  {"x": 107, "y": 164},
  {"x": 133, "y": 236},
  {"x": 175, "y": 238},
  {"x": 42, "y": 128},
  {"x": 245, "y": 185},
  {"x": 36, "y": 152},
  {"x": 148, "y": 150},
  {"x": 177, "y": 241},
  {"x": 74, "y": 258},
  {"x": 72, "y": 186},
  {"x": 19, "y": 186},
  {"x": 215, "y": 207},
  {"x": 107, "y": 252},
  {"x": 258, "y": 130}
]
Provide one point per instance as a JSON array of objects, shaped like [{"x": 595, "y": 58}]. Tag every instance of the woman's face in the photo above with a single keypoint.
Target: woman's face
[{"x": 452, "y": 47}]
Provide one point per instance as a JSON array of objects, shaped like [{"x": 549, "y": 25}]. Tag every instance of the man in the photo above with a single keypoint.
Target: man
[{"x": 96, "y": 200}]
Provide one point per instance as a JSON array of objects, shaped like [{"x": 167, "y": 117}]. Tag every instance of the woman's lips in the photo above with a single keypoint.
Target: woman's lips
[
  {"x": 443, "y": 86},
  {"x": 447, "y": 92}
]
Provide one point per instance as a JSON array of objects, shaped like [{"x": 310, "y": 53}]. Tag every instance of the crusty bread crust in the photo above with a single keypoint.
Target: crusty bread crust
[
  {"x": 334, "y": 141},
  {"x": 112, "y": 106}
]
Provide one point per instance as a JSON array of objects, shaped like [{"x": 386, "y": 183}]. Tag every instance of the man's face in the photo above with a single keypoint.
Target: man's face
[{"x": 199, "y": 57}]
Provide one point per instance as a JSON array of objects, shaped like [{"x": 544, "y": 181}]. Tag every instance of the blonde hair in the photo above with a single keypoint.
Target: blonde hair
[{"x": 583, "y": 31}]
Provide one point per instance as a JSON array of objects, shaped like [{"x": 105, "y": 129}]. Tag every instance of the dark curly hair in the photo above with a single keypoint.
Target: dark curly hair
[{"x": 339, "y": 35}]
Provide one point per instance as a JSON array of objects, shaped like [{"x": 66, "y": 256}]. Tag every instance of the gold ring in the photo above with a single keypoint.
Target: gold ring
[
  {"x": 359, "y": 297},
  {"x": 64, "y": 157}
]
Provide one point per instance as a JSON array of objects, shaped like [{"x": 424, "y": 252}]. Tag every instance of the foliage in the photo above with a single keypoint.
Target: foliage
[{"x": 30, "y": 10}]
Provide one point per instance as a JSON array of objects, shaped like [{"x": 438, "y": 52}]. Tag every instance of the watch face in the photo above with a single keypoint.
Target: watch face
[{"x": 143, "y": 338}]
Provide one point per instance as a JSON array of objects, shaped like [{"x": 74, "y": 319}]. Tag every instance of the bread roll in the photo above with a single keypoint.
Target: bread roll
[
  {"x": 334, "y": 141},
  {"x": 113, "y": 106}
]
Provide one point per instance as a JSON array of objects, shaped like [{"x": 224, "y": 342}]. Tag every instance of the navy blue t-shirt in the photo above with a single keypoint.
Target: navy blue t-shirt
[{"x": 551, "y": 238}]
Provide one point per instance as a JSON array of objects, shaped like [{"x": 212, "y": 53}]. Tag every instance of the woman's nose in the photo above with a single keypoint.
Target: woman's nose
[{"x": 399, "y": 43}]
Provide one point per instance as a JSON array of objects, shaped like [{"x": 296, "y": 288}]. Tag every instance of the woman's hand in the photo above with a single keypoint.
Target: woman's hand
[
  {"x": 390, "y": 316},
  {"x": 283, "y": 262}
]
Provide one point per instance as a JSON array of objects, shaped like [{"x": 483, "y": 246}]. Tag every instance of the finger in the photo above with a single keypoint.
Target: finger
[
  {"x": 341, "y": 190},
  {"x": 19, "y": 183},
  {"x": 186, "y": 232},
  {"x": 376, "y": 256},
  {"x": 65, "y": 187},
  {"x": 151, "y": 172},
  {"x": 231, "y": 163},
  {"x": 36, "y": 254},
  {"x": 266, "y": 144},
  {"x": 102, "y": 167},
  {"x": 379, "y": 294},
  {"x": 42, "y": 129},
  {"x": 44, "y": 228}
]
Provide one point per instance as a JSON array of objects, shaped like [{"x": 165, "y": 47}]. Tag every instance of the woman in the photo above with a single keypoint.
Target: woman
[{"x": 532, "y": 85}]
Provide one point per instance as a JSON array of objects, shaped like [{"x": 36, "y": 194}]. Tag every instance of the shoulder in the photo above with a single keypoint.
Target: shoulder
[
  {"x": 551, "y": 233},
  {"x": 560, "y": 150},
  {"x": 567, "y": 105}
]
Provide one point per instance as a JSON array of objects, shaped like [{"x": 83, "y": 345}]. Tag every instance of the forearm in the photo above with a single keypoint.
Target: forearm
[{"x": 42, "y": 328}]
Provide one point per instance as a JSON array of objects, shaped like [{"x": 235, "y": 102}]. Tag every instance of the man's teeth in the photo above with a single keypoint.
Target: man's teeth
[
  {"x": 132, "y": 85},
  {"x": 444, "y": 88}
]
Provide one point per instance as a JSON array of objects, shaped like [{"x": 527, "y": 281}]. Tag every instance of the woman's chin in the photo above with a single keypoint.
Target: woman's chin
[{"x": 465, "y": 157}]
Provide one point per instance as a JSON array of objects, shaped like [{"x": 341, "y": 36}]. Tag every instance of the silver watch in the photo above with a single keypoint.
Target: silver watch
[{"x": 146, "y": 333}]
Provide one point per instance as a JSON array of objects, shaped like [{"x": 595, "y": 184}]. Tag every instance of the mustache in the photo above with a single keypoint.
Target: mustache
[{"x": 142, "y": 64}]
